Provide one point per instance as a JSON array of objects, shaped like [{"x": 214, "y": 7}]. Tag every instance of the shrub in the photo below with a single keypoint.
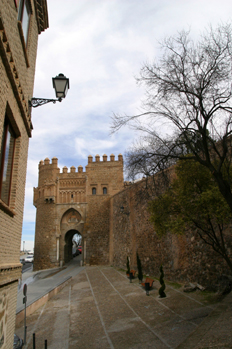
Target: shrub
[
  {"x": 161, "y": 280},
  {"x": 139, "y": 267},
  {"x": 128, "y": 266}
]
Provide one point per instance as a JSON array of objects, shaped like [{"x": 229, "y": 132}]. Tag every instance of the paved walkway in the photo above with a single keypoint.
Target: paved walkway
[
  {"x": 42, "y": 282},
  {"x": 100, "y": 308}
]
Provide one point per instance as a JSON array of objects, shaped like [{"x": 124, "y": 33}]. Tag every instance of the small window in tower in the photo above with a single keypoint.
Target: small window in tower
[
  {"x": 94, "y": 191},
  {"x": 104, "y": 190},
  {"x": 71, "y": 196}
]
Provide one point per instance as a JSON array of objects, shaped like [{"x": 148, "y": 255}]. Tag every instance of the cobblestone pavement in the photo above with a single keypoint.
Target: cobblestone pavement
[{"x": 100, "y": 308}]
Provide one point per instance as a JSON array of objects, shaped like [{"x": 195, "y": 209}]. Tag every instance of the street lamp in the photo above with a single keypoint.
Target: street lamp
[{"x": 61, "y": 86}]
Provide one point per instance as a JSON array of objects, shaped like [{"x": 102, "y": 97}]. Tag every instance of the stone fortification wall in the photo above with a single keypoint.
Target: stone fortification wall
[
  {"x": 45, "y": 231},
  {"x": 101, "y": 175},
  {"x": 45, "y": 236},
  {"x": 184, "y": 257},
  {"x": 97, "y": 231}
]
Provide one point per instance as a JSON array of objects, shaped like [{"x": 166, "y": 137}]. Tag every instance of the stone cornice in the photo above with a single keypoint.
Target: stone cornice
[
  {"x": 10, "y": 266},
  {"x": 8, "y": 61},
  {"x": 41, "y": 12}
]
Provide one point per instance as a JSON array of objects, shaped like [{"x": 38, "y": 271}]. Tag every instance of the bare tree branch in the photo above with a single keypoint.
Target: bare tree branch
[{"x": 188, "y": 107}]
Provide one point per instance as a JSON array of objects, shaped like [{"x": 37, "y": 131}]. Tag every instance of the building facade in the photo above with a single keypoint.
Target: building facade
[
  {"x": 75, "y": 202},
  {"x": 21, "y": 21}
]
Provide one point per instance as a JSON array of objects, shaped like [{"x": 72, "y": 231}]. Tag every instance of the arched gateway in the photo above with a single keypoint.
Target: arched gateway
[
  {"x": 68, "y": 247},
  {"x": 75, "y": 202},
  {"x": 70, "y": 225}
]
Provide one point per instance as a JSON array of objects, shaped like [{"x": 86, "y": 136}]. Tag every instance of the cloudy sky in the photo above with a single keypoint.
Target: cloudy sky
[{"x": 100, "y": 45}]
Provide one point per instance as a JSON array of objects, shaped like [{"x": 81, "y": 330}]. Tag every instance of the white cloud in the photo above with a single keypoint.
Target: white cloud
[
  {"x": 81, "y": 145},
  {"x": 100, "y": 45}
]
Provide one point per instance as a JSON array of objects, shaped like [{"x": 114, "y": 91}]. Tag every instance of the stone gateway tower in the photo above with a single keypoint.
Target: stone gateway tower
[{"x": 75, "y": 202}]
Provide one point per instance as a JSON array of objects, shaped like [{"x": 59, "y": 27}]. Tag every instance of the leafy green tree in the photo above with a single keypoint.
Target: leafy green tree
[{"x": 193, "y": 201}]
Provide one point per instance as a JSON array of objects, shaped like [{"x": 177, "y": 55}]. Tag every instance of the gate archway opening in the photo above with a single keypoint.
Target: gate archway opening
[
  {"x": 76, "y": 242},
  {"x": 73, "y": 239}
]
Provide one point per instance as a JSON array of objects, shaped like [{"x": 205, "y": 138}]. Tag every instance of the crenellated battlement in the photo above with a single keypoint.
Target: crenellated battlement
[
  {"x": 73, "y": 170},
  {"x": 53, "y": 164},
  {"x": 104, "y": 158},
  {"x": 46, "y": 162}
]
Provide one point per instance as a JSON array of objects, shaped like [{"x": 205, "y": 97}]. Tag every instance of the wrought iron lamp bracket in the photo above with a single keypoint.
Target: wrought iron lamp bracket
[{"x": 36, "y": 102}]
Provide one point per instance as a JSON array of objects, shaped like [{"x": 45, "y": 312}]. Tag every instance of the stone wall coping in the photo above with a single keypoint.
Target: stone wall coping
[{"x": 10, "y": 266}]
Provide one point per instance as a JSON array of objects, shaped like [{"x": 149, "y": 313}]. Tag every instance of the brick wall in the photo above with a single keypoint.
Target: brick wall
[
  {"x": 17, "y": 70},
  {"x": 8, "y": 297}
]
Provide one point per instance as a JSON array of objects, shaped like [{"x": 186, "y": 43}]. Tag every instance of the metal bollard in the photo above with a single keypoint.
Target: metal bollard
[
  {"x": 45, "y": 344},
  {"x": 147, "y": 288},
  {"x": 25, "y": 302}
]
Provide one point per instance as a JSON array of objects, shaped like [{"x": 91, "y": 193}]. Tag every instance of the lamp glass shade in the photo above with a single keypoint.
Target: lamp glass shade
[{"x": 61, "y": 85}]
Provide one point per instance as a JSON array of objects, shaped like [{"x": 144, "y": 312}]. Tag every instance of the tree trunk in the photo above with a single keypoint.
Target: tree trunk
[{"x": 224, "y": 188}]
